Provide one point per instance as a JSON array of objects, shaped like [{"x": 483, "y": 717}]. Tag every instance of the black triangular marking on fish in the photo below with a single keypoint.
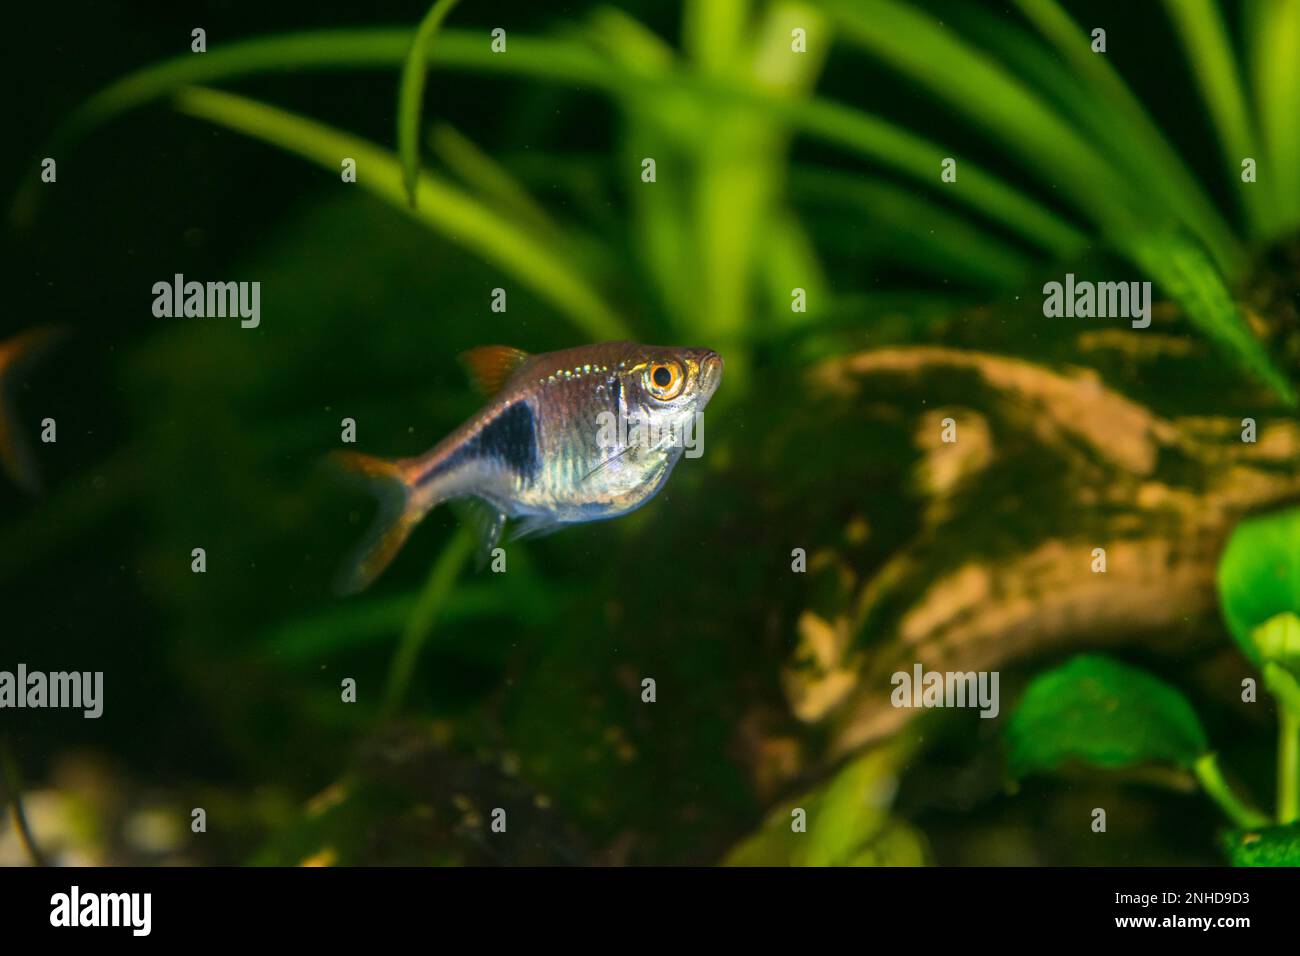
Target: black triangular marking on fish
[{"x": 510, "y": 438}]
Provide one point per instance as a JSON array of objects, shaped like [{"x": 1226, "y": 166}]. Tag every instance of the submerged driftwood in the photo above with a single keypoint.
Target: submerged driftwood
[{"x": 1047, "y": 466}]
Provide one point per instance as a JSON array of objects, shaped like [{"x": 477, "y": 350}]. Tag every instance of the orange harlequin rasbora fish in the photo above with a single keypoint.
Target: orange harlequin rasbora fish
[{"x": 568, "y": 437}]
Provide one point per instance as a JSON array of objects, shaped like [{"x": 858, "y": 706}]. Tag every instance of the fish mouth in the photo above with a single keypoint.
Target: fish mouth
[{"x": 710, "y": 375}]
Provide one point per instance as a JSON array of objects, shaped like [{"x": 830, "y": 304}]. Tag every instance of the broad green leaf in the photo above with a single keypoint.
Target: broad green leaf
[
  {"x": 1259, "y": 575},
  {"x": 443, "y": 207},
  {"x": 897, "y": 844},
  {"x": 1278, "y": 639},
  {"x": 848, "y": 821},
  {"x": 849, "y": 812},
  {"x": 1103, "y": 713},
  {"x": 410, "y": 95},
  {"x": 1265, "y": 846}
]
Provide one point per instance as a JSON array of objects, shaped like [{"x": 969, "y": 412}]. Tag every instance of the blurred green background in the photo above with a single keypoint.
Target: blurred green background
[{"x": 776, "y": 170}]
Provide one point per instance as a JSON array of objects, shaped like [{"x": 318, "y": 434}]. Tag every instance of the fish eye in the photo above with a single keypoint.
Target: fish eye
[{"x": 664, "y": 380}]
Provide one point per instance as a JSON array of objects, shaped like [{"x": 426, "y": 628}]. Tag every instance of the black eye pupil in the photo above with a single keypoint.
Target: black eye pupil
[{"x": 663, "y": 378}]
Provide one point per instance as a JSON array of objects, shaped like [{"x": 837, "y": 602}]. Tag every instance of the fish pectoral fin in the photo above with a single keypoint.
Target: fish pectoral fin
[
  {"x": 633, "y": 453},
  {"x": 535, "y": 526},
  {"x": 487, "y": 522},
  {"x": 609, "y": 461},
  {"x": 490, "y": 366}
]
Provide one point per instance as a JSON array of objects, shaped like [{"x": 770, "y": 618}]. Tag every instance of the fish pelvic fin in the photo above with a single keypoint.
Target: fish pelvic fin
[
  {"x": 536, "y": 526},
  {"x": 485, "y": 520},
  {"x": 399, "y": 512}
]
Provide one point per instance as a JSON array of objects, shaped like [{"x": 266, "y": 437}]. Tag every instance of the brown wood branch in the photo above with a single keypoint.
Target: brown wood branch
[{"x": 1162, "y": 528}]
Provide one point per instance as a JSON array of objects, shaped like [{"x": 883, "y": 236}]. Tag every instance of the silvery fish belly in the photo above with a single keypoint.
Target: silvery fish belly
[{"x": 577, "y": 435}]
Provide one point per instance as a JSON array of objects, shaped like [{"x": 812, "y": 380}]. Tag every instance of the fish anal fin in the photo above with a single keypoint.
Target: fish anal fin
[{"x": 490, "y": 366}]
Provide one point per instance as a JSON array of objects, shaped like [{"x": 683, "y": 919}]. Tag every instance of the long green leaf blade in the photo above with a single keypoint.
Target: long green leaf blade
[
  {"x": 410, "y": 94},
  {"x": 967, "y": 79},
  {"x": 927, "y": 235},
  {"x": 568, "y": 62},
  {"x": 920, "y": 159},
  {"x": 488, "y": 178},
  {"x": 1273, "y": 38},
  {"x": 442, "y": 207},
  {"x": 1185, "y": 273},
  {"x": 554, "y": 60},
  {"x": 1209, "y": 53},
  {"x": 1143, "y": 149}
]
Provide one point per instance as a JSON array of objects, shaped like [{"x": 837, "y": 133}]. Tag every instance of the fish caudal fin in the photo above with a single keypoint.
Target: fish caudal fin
[{"x": 398, "y": 514}]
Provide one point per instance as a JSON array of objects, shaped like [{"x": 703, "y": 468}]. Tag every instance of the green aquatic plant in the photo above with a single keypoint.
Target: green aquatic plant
[
  {"x": 774, "y": 174},
  {"x": 1100, "y": 713},
  {"x": 729, "y": 102},
  {"x": 442, "y": 206},
  {"x": 410, "y": 96},
  {"x": 1145, "y": 205}
]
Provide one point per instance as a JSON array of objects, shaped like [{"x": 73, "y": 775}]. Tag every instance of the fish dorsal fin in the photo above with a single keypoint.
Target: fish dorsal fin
[{"x": 490, "y": 366}]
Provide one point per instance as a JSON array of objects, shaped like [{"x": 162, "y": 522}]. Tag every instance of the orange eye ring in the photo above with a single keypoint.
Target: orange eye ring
[{"x": 664, "y": 380}]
